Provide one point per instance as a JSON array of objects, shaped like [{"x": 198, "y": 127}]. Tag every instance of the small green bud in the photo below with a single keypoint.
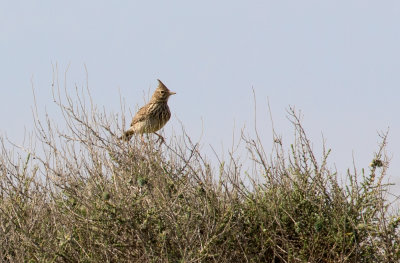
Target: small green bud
[
  {"x": 141, "y": 181},
  {"x": 106, "y": 196}
]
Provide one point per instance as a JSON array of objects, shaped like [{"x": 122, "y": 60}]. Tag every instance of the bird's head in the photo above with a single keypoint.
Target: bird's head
[{"x": 162, "y": 93}]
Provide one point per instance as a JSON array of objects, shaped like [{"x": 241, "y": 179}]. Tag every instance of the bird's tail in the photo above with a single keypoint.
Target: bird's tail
[{"x": 127, "y": 135}]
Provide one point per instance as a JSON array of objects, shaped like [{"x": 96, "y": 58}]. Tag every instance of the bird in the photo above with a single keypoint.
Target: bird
[{"x": 153, "y": 116}]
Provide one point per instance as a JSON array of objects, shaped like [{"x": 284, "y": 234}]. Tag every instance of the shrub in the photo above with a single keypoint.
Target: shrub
[{"x": 82, "y": 195}]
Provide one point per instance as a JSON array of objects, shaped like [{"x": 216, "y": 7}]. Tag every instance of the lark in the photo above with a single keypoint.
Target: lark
[{"x": 153, "y": 116}]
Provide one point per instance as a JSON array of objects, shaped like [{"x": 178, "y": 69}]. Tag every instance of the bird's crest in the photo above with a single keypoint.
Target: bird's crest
[{"x": 161, "y": 85}]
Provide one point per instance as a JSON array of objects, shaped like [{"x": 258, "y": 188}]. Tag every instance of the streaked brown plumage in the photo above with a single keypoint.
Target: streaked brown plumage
[{"x": 153, "y": 116}]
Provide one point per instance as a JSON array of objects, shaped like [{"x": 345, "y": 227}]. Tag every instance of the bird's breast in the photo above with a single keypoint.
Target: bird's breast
[{"x": 157, "y": 116}]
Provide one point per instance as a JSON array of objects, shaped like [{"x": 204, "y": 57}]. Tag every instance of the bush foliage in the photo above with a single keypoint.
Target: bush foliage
[{"x": 78, "y": 194}]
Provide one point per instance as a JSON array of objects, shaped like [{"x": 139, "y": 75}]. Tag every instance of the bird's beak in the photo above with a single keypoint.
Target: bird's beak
[{"x": 172, "y": 93}]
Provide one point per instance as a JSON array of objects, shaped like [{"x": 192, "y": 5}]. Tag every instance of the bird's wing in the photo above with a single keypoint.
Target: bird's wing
[{"x": 140, "y": 115}]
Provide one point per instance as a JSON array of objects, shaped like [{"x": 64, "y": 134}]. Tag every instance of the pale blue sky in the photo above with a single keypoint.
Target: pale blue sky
[{"x": 338, "y": 61}]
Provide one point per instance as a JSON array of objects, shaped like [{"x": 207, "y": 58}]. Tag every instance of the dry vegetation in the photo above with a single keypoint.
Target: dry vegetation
[{"x": 81, "y": 195}]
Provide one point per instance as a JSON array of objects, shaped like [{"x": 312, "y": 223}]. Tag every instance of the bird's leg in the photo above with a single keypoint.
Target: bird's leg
[{"x": 160, "y": 138}]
